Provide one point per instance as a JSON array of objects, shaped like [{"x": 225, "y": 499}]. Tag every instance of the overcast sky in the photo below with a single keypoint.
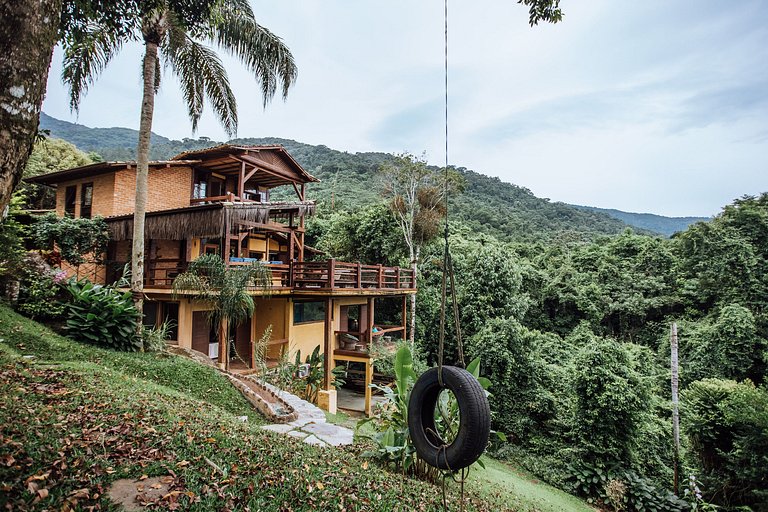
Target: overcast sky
[{"x": 655, "y": 106}]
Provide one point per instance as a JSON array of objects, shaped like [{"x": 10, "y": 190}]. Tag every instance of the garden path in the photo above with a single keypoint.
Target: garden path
[{"x": 311, "y": 425}]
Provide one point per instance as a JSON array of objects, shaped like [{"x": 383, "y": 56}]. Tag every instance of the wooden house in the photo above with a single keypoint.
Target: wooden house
[{"x": 217, "y": 200}]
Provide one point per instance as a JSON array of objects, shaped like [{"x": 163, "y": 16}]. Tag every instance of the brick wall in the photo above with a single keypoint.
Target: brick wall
[
  {"x": 103, "y": 193},
  {"x": 168, "y": 188},
  {"x": 114, "y": 193}
]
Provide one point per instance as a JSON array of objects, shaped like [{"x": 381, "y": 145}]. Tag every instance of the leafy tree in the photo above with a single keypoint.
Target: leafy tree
[
  {"x": 521, "y": 398},
  {"x": 416, "y": 194},
  {"x": 209, "y": 281},
  {"x": 49, "y": 155},
  {"x": 727, "y": 425},
  {"x": 610, "y": 407},
  {"x": 370, "y": 236},
  {"x": 173, "y": 30},
  {"x": 31, "y": 30}
]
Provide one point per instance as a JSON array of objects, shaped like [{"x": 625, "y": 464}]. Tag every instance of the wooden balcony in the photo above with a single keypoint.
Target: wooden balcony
[
  {"x": 309, "y": 276},
  {"x": 338, "y": 275}
]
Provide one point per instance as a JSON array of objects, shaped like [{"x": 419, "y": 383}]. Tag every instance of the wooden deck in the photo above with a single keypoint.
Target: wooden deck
[{"x": 306, "y": 276}]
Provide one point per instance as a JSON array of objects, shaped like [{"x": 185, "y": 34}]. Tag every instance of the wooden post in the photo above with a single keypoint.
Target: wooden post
[
  {"x": 368, "y": 382},
  {"x": 381, "y": 276},
  {"x": 359, "y": 275},
  {"x": 675, "y": 413},
  {"x": 241, "y": 182},
  {"x": 369, "y": 318},
  {"x": 331, "y": 273},
  {"x": 404, "y": 319},
  {"x": 328, "y": 359}
]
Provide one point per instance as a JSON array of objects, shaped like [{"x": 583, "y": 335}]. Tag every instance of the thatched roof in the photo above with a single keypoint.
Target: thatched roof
[{"x": 206, "y": 221}]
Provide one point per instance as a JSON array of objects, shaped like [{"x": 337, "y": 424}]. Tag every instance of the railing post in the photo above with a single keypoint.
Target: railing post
[
  {"x": 381, "y": 276},
  {"x": 331, "y": 273},
  {"x": 359, "y": 275},
  {"x": 290, "y": 274}
]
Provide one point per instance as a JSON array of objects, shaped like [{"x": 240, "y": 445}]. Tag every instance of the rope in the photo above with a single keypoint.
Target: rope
[{"x": 448, "y": 273}]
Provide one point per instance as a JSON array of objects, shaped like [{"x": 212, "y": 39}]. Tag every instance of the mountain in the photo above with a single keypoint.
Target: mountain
[
  {"x": 667, "y": 226},
  {"x": 348, "y": 180}
]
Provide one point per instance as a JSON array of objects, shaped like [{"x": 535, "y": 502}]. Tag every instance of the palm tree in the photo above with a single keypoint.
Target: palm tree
[
  {"x": 208, "y": 280},
  {"x": 171, "y": 32}
]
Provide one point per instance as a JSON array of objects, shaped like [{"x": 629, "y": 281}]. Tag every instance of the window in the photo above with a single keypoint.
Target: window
[
  {"x": 69, "y": 200},
  {"x": 201, "y": 190},
  {"x": 155, "y": 313},
  {"x": 86, "y": 200},
  {"x": 306, "y": 312}
]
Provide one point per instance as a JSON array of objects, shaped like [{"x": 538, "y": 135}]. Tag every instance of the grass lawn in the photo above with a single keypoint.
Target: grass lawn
[
  {"x": 518, "y": 489},
  {"x": 75, "y": 418}
]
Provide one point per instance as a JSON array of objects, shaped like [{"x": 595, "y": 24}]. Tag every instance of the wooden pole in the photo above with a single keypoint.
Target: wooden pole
[
  {"x": 675, "y": 412},
  {"x": 328, "y": 359}
]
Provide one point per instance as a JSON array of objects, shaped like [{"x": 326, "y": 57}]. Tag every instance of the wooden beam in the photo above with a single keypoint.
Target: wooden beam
[
  {"x": 369, "y": 319},
  {"x": 241, "y": 180},
  {"x": 268, "y": 168},
  {"x": 298, "y": 193}
]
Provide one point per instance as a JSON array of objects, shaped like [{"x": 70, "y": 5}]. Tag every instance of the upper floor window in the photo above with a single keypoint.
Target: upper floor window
[
  {"x": 86, "y": 200},
  {"x": 201, "y": 190},
  {"x": 70, "y": 196}
]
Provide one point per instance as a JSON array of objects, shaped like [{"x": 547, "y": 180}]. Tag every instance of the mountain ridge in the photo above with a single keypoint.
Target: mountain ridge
[{"x": 488, "y": 204}]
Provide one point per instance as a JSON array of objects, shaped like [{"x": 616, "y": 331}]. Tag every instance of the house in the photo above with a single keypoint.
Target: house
[{"x": 219, "y": 200}]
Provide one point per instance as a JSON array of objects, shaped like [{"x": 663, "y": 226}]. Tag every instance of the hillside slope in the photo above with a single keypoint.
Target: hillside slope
[
  {"x": 73, "y": 422},
  {"x": 348, "y": 181}
]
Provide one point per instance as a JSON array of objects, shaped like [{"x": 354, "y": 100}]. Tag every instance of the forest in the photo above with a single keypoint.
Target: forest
[{"x": 570, "y": 314}]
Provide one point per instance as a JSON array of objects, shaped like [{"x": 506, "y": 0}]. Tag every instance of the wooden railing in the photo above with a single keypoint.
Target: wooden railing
[
  {"x": 332, "y": 274},
  {"x": 307, "y": 275}
]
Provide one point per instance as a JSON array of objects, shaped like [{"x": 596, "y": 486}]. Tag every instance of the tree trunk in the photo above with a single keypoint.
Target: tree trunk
[
  {"x": 412, "y": 330},
  {"x": 28, "y": 33},
  {"x": 142, "y": 171},
  {"x": 223, "y": 344},
  {"x": 675, "y": 413}
]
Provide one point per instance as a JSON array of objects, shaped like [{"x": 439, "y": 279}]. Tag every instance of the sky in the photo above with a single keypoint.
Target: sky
[{"x": 656, "y": 106}]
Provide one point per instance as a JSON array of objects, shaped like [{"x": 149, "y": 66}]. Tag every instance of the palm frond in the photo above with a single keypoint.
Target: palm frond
[
  {"x": 201, "y": 75},
  {"x": 235, "y": 30},
  {"x": 85, "y": 57}
]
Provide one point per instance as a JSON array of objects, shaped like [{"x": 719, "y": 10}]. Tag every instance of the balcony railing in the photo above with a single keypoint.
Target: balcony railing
[{"x": 308, "y": 275}]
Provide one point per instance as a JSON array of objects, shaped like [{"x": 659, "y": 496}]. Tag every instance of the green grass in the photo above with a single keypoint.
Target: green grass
[
  {"x": 75, "y": 418},
  {"x": 517, "y": 488},
  {"x": 25, "y": 337}
]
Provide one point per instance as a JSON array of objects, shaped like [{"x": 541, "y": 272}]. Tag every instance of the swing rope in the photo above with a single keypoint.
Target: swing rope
[{"x": 448, "y": 274}]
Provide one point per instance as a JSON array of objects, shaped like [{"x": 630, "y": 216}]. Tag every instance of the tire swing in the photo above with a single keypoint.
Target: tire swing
[{"x": 474, "y": 412}]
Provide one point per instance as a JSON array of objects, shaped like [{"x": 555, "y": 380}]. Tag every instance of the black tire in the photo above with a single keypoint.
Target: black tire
[{"x": 474, "y": 421}]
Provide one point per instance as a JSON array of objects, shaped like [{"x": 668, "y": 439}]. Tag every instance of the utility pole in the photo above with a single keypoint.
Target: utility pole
[{"x": 675, "y": 413}]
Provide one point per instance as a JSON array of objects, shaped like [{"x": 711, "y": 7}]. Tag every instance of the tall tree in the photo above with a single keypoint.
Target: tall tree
[
  {"x": 173, "y": 34},
  {"x": 417, "y": 198},
  {"x": 28, "y": 33}
]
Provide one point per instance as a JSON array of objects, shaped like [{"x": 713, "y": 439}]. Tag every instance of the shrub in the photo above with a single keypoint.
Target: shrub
[
  {"x": 102, "y": 315},
  {"x": 522, "y": 400},
  {"x": 75, "y": 238},
  {"x": 40, "y": 289},
  {"x": 153, "y": 338},
  {"x": 727, "y": 425}
]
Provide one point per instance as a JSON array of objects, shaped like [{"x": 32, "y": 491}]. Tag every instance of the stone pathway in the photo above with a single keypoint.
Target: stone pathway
[{"x": 311, "y": 425}]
